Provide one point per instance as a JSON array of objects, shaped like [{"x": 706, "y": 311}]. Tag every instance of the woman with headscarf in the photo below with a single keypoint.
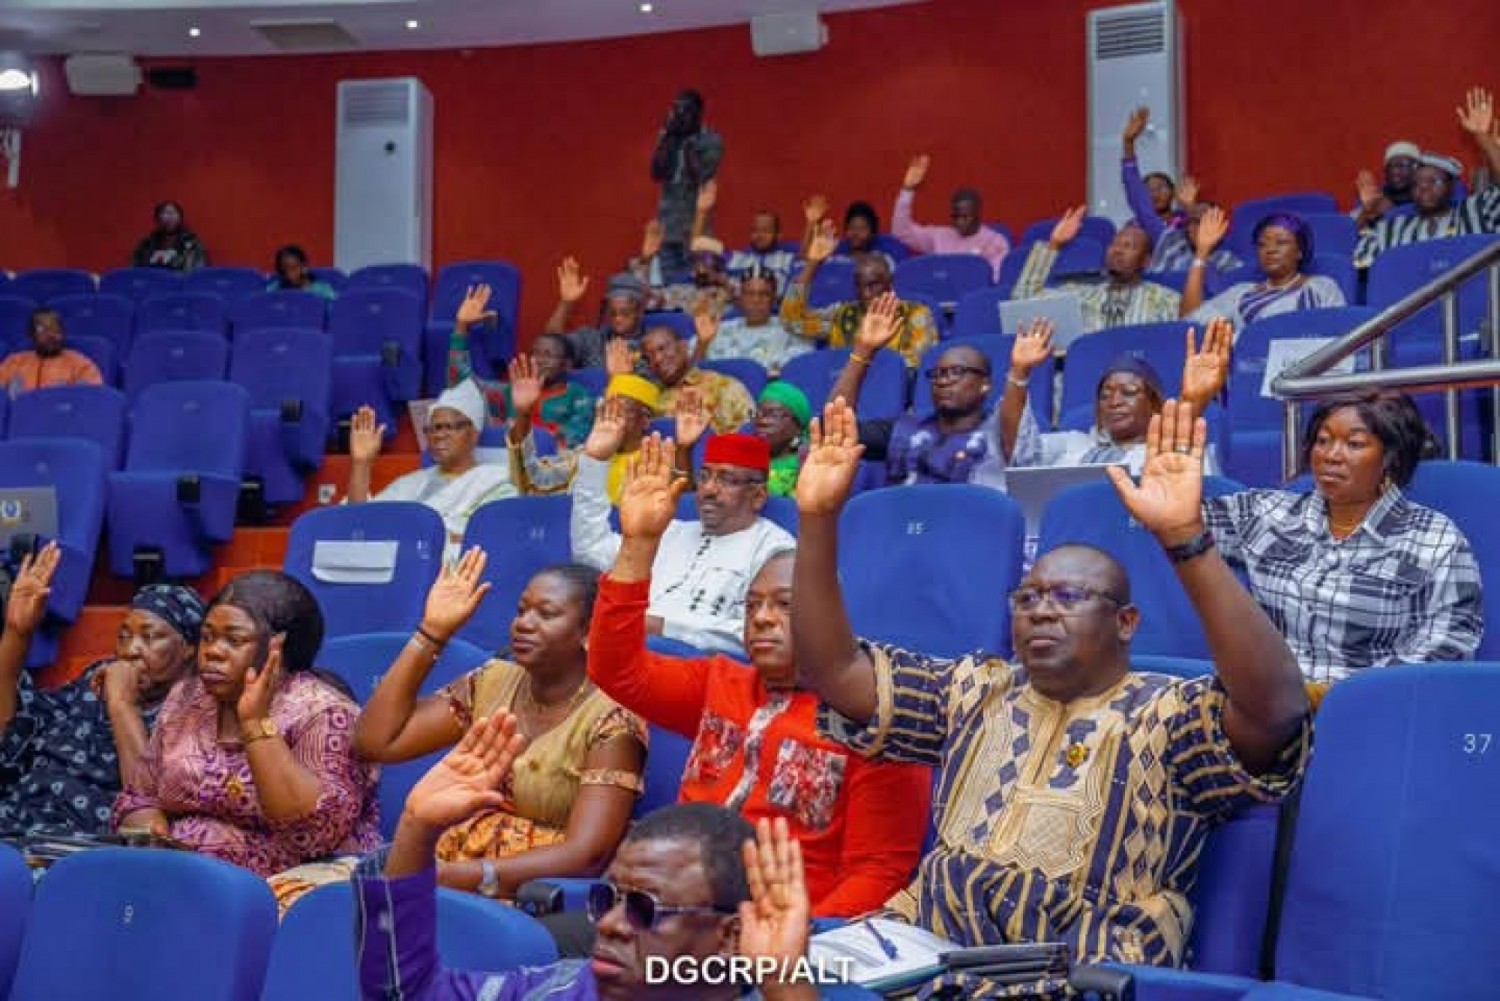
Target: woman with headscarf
[
  {"x": 252, "y": 758},
  {"x": 171, "y": 244},
  {"x": 1284, "y": 249},
  {"x": 781, "y": 417},
  {"x": 65, "y": 754}
]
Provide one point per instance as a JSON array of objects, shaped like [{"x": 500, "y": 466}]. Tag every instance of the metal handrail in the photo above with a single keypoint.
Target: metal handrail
[{"x": 1309, "y": 377}]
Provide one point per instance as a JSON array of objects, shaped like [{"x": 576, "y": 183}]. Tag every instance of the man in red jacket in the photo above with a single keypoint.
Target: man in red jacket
[{"x": 756, "y": 747}]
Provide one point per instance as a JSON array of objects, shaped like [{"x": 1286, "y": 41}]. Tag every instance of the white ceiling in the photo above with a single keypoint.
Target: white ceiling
[{"x": 161, "y": 27}]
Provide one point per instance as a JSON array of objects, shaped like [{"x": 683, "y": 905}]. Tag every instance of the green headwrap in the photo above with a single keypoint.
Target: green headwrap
[{"x": 788, "y": 396}]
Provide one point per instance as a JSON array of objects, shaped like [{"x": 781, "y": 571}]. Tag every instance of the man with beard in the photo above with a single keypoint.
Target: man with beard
[{"x": 48, "y": 363}]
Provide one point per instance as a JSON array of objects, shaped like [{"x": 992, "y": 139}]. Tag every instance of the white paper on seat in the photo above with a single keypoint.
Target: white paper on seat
[
  {"x": 1283, "y": 353},
  {"x": 354, "y": 561}
]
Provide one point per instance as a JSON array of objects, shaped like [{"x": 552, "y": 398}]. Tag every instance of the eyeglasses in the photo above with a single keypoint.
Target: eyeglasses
[
  {"x": 1065, "y": 597},
  {"x": 944, "y": 372},
  {"x": 642, "y": 910},
  {"x": 731, "y": 480},
  {"x": 446, "y": 427}
]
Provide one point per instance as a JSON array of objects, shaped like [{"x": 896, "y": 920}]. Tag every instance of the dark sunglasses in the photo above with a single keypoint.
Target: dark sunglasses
[{"x": 642, "y": 910}]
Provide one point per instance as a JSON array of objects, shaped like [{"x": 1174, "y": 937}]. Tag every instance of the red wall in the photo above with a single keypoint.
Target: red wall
[{"x": 543, "y": 150}]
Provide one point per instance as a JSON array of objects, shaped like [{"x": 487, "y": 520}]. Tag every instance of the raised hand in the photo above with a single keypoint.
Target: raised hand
[
  {"x": 708, "y": 196},
  {"x": 832, "y": 460},
  {"x": 261, "y": 683},
  {"x": 1369, "y": 191},
  {"x": 916, "y": 171},
  {"x": 814, "y": 209},
  {"x": 706, "y": 319},
  {"x": 1136, "y": 124},
  {"x": 1067, "y": 227},
  {"x": 1033, "y": 347},
  {"x": 1477, "y": 114},
  {"x": 691, "y": 416},
  {"x": 27, "y": 605},
  {"x": 1205, "y": 371},
  {"x": 608, "y": 433},
  {"x": 1169, "y": 499},
  {"x": 651, "y": 239},
  {"x": 1187, "y": 192},
  {"x": 619, "y": 357},
  {"x": 572, "y": 283},
  {"x": 824, "y": 242},
  {"x": 365, "y": 436},
  {"x": 1213, "y": 226},
  {"x": 455, "y": 595},
  {"x": 469, "y": 777},
  {"x": 881, "y": 325},
  {"x": 525, "y": 383},
  {"x": 648, "y": 503},
  {"x": 473, "y": 309},
  {"x": 774, "y": 921}
]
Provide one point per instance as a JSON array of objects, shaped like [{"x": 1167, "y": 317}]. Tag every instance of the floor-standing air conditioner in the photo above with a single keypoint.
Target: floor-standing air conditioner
[
  {"x": 383, "y": 189},
  {"x": 1135, "y": 58}
]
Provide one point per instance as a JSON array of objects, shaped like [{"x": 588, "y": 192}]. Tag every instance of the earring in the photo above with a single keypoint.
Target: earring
[{"x": 1386, "y": 484}]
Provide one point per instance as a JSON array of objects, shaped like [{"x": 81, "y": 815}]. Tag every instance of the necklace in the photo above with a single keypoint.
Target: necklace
[
  {"x": 526, "y": 704},
  {"x": 1289, "y": 283}
]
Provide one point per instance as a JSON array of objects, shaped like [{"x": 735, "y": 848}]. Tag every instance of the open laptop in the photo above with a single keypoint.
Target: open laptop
[
  {"x": 1033, "y": 487},
  {"x": 25, "y": 513},
  {"x": 1062, "y": 309}
]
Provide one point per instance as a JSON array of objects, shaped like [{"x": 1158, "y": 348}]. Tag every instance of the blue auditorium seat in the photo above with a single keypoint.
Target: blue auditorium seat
[
  {"x": 103, "y": 353},
  {"x": 1080, "y": 257},
  {"x": 15, "y": 322},
  {"x": 103, "y": 921},
  {"x": 110, "y": 317},
  {"x": 412, "y": 277},
  {"x": 1177, "y": 667},
  {"x": 288, "y": 373},
  {"x": 314, "y": 952},
  {"x": 679, "y": 323},
  {"x": 278, "y": 309},
  {"x": 929, "y": 566},
  {"x": 1468, "y": 493},
  {"x": 833, "y": 283},
  {"x": 226, "y": 283},
  {"x": 665, "y": 764},
  {"x": 592, "y": 379},
  {"x": 885, "y": 243},
  {"x": 1164, "y": 345},
  {"x": 136, "y": 284},
  {"x": 945, "y": 278},
  {"x": 884, "y": 392},
  {"x": 490, "y": 346},
  {"x": 15, "y": 908},
  {"x": 520, "y": 535},
  {"x": 182, "y": 311},
  {"x": 180, "y": 486},
  {"x": 377, "y": 358},
  {"x": 997, "y": 349},
  {"x": 1333, "y": 233},
  {"x": 1338, "y": 267},
  {"x": 1247, "y": 214},
  {"x": 75, "y": 468},
  {"x": 92, "y": 413},
  {"x": 978, "y": 313},
  {"x": 173, "y": 356},
  {"x": 1097, "y": 228},
  {"x": 363, "y": 604},
  {"x": 46, "y": 284},
  {"x": 750, "y": 373},
  {"x": 334, "y": 278},
  {"x": 361, "y": 660},
  {"x": 1094, "y": 515}
]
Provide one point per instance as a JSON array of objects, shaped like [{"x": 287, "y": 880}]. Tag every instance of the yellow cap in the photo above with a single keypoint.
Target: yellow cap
[{"x": 633, "y": 387}]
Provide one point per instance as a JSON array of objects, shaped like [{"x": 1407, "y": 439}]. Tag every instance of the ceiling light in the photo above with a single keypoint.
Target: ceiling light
[
  {"x": 646, "y": 8},
  {"x": 16, "y": 75},
  {"x": 413, "y": 24},
  {"x": 194, "y": 32}
]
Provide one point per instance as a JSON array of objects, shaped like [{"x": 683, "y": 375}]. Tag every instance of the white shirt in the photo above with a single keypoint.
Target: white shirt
[
  {"x": 453, "y": 498},
  {"x": 698, "y": 582}
]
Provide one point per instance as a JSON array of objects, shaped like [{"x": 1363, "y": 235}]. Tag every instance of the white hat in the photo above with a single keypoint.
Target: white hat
[
  {"x": 1446, "y": 164},
  {"x": 1409, "y": 150},
  {"x": 467, "y": 400}
]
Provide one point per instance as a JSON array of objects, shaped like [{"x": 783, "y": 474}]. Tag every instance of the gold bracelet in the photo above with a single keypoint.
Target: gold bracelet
[
  {"x": 858, "y": 358},
  {"x": 257, "y": 729}
]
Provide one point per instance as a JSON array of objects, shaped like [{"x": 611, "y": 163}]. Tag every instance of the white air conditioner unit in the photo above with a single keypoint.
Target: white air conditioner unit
[
  {"x": 787, "y": 33},
  {"x": 383, "y": 174},
  {"x": 1135, "y": 59}
]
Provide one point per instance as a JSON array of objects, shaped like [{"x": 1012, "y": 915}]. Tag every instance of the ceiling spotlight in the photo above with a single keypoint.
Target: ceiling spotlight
[
  {"x": 647, "y": 8},
  {"x": 194, "y": 32},
  {"x": 413, "y": 24},
  {"x": 17, "y": 77}
]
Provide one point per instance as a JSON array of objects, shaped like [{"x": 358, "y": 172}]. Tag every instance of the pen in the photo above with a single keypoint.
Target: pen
[{"x": 886, "y": 945}]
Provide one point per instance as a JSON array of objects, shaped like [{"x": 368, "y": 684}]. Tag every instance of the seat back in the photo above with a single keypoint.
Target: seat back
[
  {"x": 665, "y": 763},
  {"x": 1400, "y": 271},
  {"x": 46, "y": 284},
  {"x": 929, "y": 566},
  {"x": 945, "y": 278},
  {"x": 521, "y": 536},
  {"x": 165, "y": 356},
  {"x": 1248, "y": 409},
  {"x": 74, "y": 467},
  {"x": 1248, "y": 214},
  {"x": 370, "y": 607},
  {"x": 124, "y": 909},
  {"x": 278, "y": 365},
  {"x": 1332, "y": 232},
  {"x": 226, "y": 283},
  {"x": 411, "y": 277},
  {"x": 363, "y": 321},
  {"x": 504, "y": 280},
  {"x": 1100, "y": 229},
  {"x": 90, "y": 413},
  {"x": 1393, "y": 873},
  {"x": 1469, "y": 493},
  {"x": 314, "y": 952},
  {"x": 978, "y": 312},
  {"x": 1094, "y": 515},
  {"x": 182, "y": 311},
  {"x": 278, "y": 309},
  {"x": 110, "y": 317},
  {"x": 334, "y": 278},
  {"x": 136, "y": 284},
  {"x": 1177, "y": 667},
  {"x": 1161, "y": 344},
  {"x": 15, "y": 322},
  {"x": 750, "y": 373},
  {"x": 195, "y": 426},
  {"x": 103, "y": 353},
  {"x": 884, "y": 393},
  {"x": 15, "y": 907},
  {"x": 833, "y": 282},
  {"x": 1231, "y": 896}
]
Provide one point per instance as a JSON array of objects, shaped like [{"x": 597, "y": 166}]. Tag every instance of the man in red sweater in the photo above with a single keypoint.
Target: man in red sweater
[{"x": 756, "y": 747}]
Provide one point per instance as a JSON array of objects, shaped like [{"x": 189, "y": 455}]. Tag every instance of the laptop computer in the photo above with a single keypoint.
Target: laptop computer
[
  {"x": 25, "y": 513},
  {"x": 1062, "y": 309},
  {"x": 1033, "y": 487}
]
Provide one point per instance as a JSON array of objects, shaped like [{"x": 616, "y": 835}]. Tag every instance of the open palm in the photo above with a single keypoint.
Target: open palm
[
  {"x": 691, "y": 417},
  {"x": 365, "y": 436},
  {"x": 649, "y": 501},
  {"x": 1213, "y": 226},
  {"x": 1168, "y": 501},
  {"x": 1033, "y": 345},
  {"x": 456, "y": 594},
  {"x": 1205, "y": 371},
  {"x": 824, "y": 242},
  {"x": 525, "y": 384},
  {"x": 475, "y": 307},
  {"x": 468, "y": 778},
  {"x": 27, "y": 605},
  {"x": 608, "y": 433},
  {"x": 774, "y": 921},
  {"x": 881, "y": 324},
  {"x": 572, "y": 283},
  {"x": 832, "y": 461},
  {"x": 1068, "y": 226}
]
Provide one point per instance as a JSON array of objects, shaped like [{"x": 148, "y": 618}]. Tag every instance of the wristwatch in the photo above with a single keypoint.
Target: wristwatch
[
  {"x": 257, "y": 729},
  {"x": 489, "y": 881}
]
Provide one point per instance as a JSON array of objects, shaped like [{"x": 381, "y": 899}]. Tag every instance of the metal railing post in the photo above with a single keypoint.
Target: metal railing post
[
  {"x": 1290, "y": 447},
  {"x": 1451, "y": 423},
  {"x": 1492, "y": 347}
]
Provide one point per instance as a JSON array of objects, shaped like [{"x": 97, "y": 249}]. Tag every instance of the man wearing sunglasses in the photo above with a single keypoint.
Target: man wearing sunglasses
[
  {"x": 692, "y": 886},
  {"x": 1076, "y": 789}
]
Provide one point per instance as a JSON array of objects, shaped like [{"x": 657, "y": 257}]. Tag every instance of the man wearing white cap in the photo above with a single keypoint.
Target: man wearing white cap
[
  {"x": 1375, "y": 200},
  {"x": 456, "y": 484},
  {"x": 1436, "y": 216}
]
